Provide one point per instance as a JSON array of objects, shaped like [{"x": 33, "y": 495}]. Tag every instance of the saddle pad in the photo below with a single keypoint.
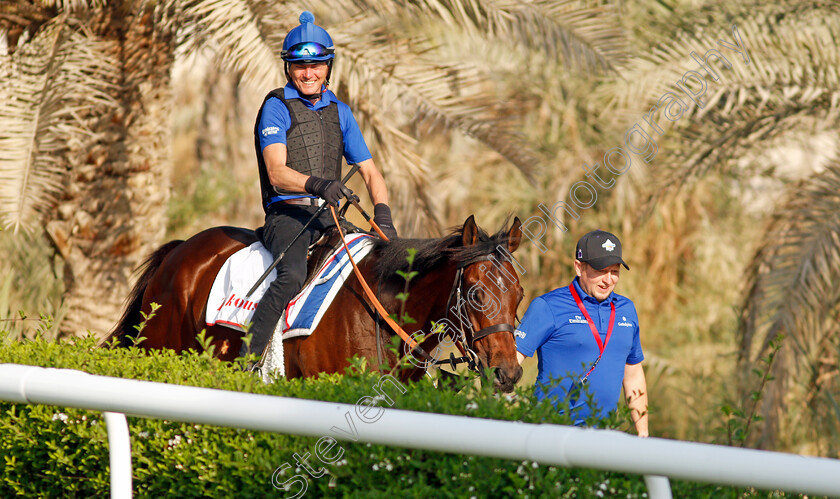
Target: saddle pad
[{"x": 227, "y": 306}]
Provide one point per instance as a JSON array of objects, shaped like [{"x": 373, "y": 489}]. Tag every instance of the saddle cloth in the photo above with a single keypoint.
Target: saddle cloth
[{"x": 227, "y": 306}]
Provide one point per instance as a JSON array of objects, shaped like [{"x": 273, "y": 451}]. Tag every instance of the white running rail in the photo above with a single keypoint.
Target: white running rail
[{"x": 546, "y": 444}]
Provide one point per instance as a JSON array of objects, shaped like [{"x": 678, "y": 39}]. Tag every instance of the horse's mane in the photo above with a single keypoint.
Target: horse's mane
[{"x": 432, "y": 252}]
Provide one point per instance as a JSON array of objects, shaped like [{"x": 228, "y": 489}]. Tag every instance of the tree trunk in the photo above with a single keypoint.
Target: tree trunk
[{"x": 113, "y": 212}]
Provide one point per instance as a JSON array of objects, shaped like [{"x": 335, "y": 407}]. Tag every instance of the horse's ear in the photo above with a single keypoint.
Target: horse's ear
[
  {"x": 514, "y": 235},
  {"x": 470, "y": 232}
]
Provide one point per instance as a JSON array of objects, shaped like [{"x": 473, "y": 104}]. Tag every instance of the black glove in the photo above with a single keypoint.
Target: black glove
[
  {"x": 382, "y": 218},
  {"x": 330, "y": 190}
]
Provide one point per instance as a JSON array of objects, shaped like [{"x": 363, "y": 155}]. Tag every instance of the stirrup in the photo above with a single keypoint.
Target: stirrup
[{"x": 253, "y": 367}]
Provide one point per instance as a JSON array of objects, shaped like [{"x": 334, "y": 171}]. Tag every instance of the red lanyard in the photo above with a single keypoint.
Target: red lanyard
[{"x": 601, "y": 346}]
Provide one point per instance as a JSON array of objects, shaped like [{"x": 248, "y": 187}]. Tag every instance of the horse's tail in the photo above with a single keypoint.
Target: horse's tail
[{"x": 132, "y": 315}]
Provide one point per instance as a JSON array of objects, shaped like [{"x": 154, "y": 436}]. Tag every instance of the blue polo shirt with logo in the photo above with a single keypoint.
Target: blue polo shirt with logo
[
  {"x": 555, "y": 329},
  {"x": 275, "y": 121}
]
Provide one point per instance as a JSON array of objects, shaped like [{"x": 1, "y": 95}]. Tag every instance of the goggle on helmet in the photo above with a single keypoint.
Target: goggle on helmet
[{"x": 308, "y": 42}]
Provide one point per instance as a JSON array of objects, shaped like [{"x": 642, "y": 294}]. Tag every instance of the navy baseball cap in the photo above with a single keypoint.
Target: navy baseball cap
[{"x": 599, "y": 249}]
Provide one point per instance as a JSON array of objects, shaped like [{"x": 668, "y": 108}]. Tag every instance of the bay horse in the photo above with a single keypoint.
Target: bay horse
[{"x": 465, "y": 283}]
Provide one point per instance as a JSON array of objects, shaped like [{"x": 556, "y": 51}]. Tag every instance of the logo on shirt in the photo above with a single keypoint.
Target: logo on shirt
[
  {"x": 270, "y": 130},
  {"x": 577, "y": 320},
  {"x": 519, "y": 334},
  {"x": 608, "y": 245},
  {"x": 624, "y": 322}
]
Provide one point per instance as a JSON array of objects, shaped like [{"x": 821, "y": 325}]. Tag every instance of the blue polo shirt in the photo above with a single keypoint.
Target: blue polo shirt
[
  {"x": 275, "y": 121},
  {"x": 555, "y": 329}
]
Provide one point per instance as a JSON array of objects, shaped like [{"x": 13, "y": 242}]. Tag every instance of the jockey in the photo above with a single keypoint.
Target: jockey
[{"x": 301, "y": 133}]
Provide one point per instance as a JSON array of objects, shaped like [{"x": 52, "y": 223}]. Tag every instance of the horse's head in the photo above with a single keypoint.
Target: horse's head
[{"x": 492, "y": 295}]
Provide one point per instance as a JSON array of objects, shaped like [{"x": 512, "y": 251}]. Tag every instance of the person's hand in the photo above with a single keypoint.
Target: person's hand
[
  {"x": 382, "y": 218},
  {"x": 330, "y": 191}
]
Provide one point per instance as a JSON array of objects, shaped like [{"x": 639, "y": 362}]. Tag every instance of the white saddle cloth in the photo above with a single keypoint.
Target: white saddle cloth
[{"x": 227, "y": 305}]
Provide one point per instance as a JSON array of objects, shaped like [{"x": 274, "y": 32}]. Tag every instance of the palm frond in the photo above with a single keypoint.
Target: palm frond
[
  {"x": 46, "y": 84},
  {"x": 655, "y": 20},
  {"x": 417, "y": 91},
  {"x": 792, "y": 292},
  {"x": 792, "y": 276},
  {"x": 578, "y": 34},
  {"x": 795, "y": 57},
  {"x": 407, "y": 173},
  {"x": 792, "y": 82},
  {"x": 368, "y": 87},
  {"x": 245, "y": 35},
  {"x": 73, "y": 5}
]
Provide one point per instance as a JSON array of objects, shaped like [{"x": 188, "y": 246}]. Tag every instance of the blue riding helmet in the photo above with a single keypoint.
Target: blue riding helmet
[{"x": 308, "y": 42}]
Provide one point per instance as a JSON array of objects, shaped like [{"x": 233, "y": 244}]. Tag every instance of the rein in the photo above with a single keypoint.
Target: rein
[
  {"x": 373, "y": 301},
  {"x": 464, "y": 343}
]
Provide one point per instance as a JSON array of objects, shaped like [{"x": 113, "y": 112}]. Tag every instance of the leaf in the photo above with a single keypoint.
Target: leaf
[
  {"x": 406, "y": 319},
  {"x": 782, "y": 94},
  {"x": 44, "y": 86},
  {"x": 247, "y": 36},
  {"x": 585, "y": 38}
]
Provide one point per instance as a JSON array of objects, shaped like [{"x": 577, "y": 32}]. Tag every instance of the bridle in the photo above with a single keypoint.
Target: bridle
[{"x": 465, "y": 342}]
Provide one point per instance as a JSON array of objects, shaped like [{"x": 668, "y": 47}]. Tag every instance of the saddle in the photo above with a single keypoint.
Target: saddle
[
  {"x": 321, "y": 249},
  {"x": 327, "y": 267}
]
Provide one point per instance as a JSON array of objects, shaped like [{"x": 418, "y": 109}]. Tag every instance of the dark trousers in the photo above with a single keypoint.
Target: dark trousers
[{"x": 282, "y": 224}]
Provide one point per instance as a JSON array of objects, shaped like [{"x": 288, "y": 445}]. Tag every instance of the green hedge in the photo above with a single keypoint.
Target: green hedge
[{"x": 60, "y": 452}]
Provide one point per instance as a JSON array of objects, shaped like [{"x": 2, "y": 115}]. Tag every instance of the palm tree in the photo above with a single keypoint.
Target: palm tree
[
  {"x": 784, "y": 100},
  {"x": 86, "y": 106},
  {"x": 793, "y": 293},
  {"x": 85, "y": 114}
]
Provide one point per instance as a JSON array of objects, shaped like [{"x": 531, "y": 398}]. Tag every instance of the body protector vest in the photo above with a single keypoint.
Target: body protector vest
[{"x": 314, "y": 144}]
